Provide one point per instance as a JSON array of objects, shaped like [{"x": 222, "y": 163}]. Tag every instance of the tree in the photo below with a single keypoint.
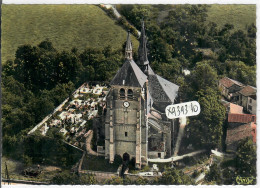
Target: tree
[
  {"x": 207, "y": 127},
  {"x": 67, "y": 178},
  {"x": 251, "y": 31},
  {"x": 174, "y": 177},
  {"x": 246, "y": 158},
  {"x": 203, "y": 76},
  {"x": 241, "y": 72},
  {"x": 214, "y": 174},
  {"x": 237, "y": 45},
  {"x": 141, "y": 181},
  {"x": 114, "y": 181}
]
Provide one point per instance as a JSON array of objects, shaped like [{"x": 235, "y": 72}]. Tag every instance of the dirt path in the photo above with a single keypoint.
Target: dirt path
[{"x": 88, "y": 143}]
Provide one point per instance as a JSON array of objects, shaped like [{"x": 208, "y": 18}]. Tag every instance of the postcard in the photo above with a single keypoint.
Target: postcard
[{"x": 128, "y": 94}]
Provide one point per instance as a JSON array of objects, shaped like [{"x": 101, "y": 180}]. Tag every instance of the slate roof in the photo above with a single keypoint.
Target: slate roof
[
  {"x": 248, "y": 91},
  {"x": 241, "y": 118},
  {"x": 228, "y": 82},
  {"x": 150, "y": 70},
  {"x": 129, "y": 75},
  {"x": 142, "y": 50},
  {"x": 162, "y": 90}
]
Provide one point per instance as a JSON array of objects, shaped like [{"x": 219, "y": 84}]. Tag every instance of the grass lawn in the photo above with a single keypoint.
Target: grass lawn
[
  {"x": 98, "y": 163},
  {"x": 66, "y": 26},
  {"x": 15, "y": 169},
  {"x": 238, "y": 15}
]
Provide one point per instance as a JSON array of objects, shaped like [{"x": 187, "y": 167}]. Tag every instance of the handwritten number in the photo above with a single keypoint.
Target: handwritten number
[
  {"x": 178, "y": 108},
  {"x": 171, "y": 111},
  {"x": 186, "y": 109}
]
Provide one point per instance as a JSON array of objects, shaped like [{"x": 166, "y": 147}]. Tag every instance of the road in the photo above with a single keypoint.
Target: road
[
  {"x": 175, "y": 158},
  {"x": 118, "y": 15}
]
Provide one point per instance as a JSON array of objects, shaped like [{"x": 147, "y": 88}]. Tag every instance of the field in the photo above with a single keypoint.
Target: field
[
  {"x": 238, "y": 15},
  {"x": 66, "y": 26},
  {"x": 82, "y": 26}
]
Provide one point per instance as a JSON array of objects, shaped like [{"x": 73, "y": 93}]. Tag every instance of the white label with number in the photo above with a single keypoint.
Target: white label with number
[{"x": 182, "y": 110}]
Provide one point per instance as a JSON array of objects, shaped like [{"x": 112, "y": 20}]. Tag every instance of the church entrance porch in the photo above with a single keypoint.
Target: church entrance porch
[{"x": 126, "y": 157}]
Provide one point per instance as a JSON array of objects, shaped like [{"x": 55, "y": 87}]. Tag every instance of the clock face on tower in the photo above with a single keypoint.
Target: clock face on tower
[{"x": 126, "y": 104}]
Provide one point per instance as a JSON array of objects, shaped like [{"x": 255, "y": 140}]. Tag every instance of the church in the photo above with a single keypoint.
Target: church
[{"x": 135, "y": 122}]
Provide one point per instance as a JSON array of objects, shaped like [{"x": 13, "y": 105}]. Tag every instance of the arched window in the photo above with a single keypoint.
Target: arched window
[
  {"x": 122, "y": 93},
  {"x": 130, "y": 94}
]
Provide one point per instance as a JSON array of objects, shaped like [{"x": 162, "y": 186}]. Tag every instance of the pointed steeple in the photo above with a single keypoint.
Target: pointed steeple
[
  {"x": 142, "y": 50},
  {"x": 128, "y": 48}
]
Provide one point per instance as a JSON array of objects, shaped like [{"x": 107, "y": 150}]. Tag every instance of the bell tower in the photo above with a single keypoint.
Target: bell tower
[{"x": 125, "y": 130}]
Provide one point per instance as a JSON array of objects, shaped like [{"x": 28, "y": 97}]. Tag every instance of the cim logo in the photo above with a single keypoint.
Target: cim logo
[
  {"x": 182, "y": 110},
  {"x": 244, "y": 180}
]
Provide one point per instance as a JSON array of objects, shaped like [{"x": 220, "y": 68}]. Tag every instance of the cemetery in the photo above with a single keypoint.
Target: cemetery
[{"x": 74, "y": 118}]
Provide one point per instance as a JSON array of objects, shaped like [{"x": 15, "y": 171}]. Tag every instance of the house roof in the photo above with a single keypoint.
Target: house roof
[
  {"x": 228, "y": 82},
  {"x": 129, "y": 75},
  {"x": 150, "y": 70},
  {"x": 248, "y": 90},
  {"x": 238, "y": 133},
  {"x": 235, "y": 109},
  {"x": 241, "y": 118},
  {"x": 162, "y": 90}
]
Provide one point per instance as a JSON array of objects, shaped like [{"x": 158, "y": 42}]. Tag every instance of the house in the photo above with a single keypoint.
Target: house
[
  {"x": 247, "y": 99},
  {"x": 235, "y": 135},
  {"x": 232, "y": 108},
  {"x": 240, "y": 126},
  {"x": 229, "y": 88}
]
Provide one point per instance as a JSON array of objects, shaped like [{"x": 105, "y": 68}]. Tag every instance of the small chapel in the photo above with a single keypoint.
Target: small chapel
[{"x": 136, "y": 126}]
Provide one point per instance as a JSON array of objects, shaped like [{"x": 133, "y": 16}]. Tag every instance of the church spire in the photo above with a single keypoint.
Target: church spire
[
  {"x": 142, "y": 50},
  {"x": 128, "y": 48}
]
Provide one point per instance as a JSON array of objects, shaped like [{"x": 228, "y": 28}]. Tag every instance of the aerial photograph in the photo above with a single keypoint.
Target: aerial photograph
[{"x": 128, "y": 94}]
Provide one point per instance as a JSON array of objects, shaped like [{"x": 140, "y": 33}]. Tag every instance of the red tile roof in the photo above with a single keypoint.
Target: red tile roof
[
  {"x": 227, "y": 82},
  {"x": 248, "y": 90},
  {"x": 241, "y": 118}
]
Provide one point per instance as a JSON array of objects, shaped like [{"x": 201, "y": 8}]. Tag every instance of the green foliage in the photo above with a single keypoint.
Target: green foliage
[
  {"x": 97, "y": 163},
  {"x": 246, "y": 158},
  {"x": 27, "y": 160},
  {"x": 207, "y": 127},
  {"x": 114, "y": 181},
  {"x": 118, "y": 160},
  {"x": 174, "y": 177},
  {"x": 203, "y": 76},
  {"x": 244, "y": 73},
  {"x": 141, "y": 181},
  {"x": 67, "y": 178},
  {"x": 214, "y": 174}
]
